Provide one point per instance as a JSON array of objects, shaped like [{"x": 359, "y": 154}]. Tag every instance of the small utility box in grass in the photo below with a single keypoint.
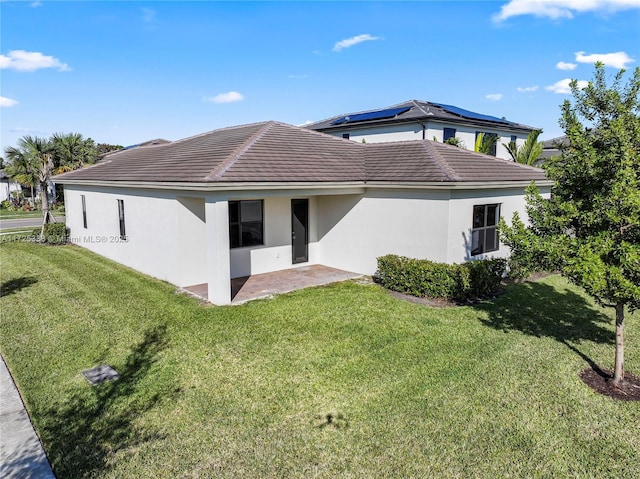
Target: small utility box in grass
[{"x": 100, "y": 374}]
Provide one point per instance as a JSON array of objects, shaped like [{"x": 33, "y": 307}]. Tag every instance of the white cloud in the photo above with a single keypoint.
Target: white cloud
[
  {"x": 228, "y": 97},
  {"x": 563, "y": 87},
  {"x": 6, "y": 102},
  {"x": 527, "y": 89},
  {"x": 349, "y": 42},
  {"x": 298, "y": 77},
  {"x": 561, "y": 8},
  {"x": 566, "y": 66},
  {"x": 494, "y": 96},
  {"x": 148, "y": 15},
  {"x": 24, "y": 61},
  {"x": 615, "y": 60},
  {"x": 36, "y": 4}
]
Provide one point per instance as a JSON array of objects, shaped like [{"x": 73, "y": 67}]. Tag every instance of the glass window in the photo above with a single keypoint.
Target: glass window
[
  {"x": 245, "y": 223},
  {"x": 345, "y": 136},
  {"x": 123, "y": 233},
  {"x": 448, "y": 133},
  {"x": 484, "y": 234},
  {"x": 491, "y": 138},
  {"x": 84, "y": 212}
]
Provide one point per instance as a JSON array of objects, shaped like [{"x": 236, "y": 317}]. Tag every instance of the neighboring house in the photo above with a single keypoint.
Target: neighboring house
[
  {"x": 420, "y": 120},
  {"x": 553, "y": 147},
  {"x": 269, "y": 196},
  {"x": 7, "y": 187}
]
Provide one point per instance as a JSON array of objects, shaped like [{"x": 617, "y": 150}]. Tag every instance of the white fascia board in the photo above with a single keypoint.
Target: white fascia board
[
  {"x": 306, "y": 187},
  {"x": 459, "y": 185},
  {"x": 338, "y": 188}
]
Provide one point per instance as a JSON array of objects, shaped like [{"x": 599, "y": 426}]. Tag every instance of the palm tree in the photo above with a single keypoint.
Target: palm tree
[
  {"x": 485, "y": 142},
  {"x": 21, "y": 168},
  {"x": 35, "y": 156},
  {"x": 72, "y": 151},
  {"x": 529, "y": 152}
]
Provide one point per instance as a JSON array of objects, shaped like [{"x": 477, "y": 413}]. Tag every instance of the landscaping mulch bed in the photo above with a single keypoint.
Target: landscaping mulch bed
[{"x": 602, "y": 382}]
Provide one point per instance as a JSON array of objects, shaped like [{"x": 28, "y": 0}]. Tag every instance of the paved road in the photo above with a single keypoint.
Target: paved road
[{"x": 26, "y": 222}]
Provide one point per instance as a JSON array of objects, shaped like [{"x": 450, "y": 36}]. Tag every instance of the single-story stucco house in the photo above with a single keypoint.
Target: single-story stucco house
[{"x": 269, "y": 196}]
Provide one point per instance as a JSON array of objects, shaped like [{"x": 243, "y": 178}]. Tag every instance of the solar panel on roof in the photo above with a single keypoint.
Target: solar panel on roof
[
  {"x": 371, "y": 115},
  {"x": 470, "y": 114}
]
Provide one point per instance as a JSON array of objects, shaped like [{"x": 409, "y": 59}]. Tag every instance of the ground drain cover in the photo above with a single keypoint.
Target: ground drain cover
[{"x": 100, "y": 374}]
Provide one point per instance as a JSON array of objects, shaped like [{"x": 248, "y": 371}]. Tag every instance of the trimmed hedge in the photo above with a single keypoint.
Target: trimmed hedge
[
  {"x": 54, "y": 233},
  {"x": 456, "y": 282}
]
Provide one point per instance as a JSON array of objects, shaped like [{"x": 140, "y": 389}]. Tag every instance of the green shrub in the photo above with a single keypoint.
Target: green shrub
[
  {"x": 54, "y": 233},
  {"x": 456, "y": 282}
]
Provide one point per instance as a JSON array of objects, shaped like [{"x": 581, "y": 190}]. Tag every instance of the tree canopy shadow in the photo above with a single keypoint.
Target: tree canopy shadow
[
  {"x": 83, "y": 433},
  {"x": 12, "y": 286},
  {"x": 540, "y": 310}
]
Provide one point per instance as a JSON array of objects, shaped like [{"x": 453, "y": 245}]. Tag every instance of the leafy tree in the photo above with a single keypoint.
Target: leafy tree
[
  {"x": 589, "y": 229},
  {"x": 529, "y": 152},
  {"x": 103, "y": 148}
]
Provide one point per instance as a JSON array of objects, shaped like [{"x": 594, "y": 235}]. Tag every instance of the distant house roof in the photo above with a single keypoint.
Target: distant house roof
[
  {"x": 276, "y": 152},
  {"x": 157, "y": 141},
  {"x": 553, "y": 147},
  {"x": 414, "y": 111}
]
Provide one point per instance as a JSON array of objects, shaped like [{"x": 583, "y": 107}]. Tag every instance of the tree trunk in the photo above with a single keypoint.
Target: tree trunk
[
  {"x": 46, "y": 216},
  {"x": 618, "y": 374}
]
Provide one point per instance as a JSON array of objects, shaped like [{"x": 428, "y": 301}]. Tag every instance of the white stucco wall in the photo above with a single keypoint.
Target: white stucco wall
[
  {"x": 153, "y": 219},
  {"x": 355, "y": 230},
  {"x": 461, "y": 217},
  {"x": 183, "y": 237},
  {"x": 276, "y": 252},
  {"x": 413, "y": 131}
]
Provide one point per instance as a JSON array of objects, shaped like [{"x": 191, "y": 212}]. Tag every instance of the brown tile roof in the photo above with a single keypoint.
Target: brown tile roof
[{"x": 277, "y": 152}]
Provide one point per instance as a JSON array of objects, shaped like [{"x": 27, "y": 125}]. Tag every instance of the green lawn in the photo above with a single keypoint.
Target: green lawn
[
  {"x": 16, "y": 214},
  {"x": 339, "y": 381}
]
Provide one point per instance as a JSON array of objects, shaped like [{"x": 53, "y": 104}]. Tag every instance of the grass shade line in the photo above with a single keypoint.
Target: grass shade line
[{"x": 336, "y": 381}]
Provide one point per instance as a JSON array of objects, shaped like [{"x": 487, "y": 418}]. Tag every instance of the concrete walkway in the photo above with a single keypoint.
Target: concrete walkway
[{"x": 21, "y": 453}]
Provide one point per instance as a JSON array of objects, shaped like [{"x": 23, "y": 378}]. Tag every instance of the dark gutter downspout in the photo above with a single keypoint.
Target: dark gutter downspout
[{"x": 424, "y": 130}]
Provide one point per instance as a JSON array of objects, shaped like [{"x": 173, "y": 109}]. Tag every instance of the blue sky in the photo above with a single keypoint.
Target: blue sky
[{"x": 126, "y": 72}]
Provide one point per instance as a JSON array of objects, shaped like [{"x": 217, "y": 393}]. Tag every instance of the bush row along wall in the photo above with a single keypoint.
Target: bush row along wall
[{"x": 428, "y": 279}]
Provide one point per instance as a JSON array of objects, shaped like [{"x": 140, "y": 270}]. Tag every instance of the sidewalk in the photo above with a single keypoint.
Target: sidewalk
[{"x": 21, "y": 454}]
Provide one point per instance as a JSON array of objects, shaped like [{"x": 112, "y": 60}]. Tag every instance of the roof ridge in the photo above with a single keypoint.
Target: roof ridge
[
  {"x": 440, "y": 162},
  {"x": 418, "y": 103},
  {"x": 233, "y": 127},
  {"x": 235, "y": 155}
]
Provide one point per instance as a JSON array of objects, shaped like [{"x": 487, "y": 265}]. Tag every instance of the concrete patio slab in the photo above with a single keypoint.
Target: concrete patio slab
[{"x": 268, "y": 284}]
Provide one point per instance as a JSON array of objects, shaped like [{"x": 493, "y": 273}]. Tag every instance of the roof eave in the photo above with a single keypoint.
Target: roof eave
[
  {"x": 221, "y": 186},
  {"x": 457, "y": 185},
  {"x": 423, "y": 119}
]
